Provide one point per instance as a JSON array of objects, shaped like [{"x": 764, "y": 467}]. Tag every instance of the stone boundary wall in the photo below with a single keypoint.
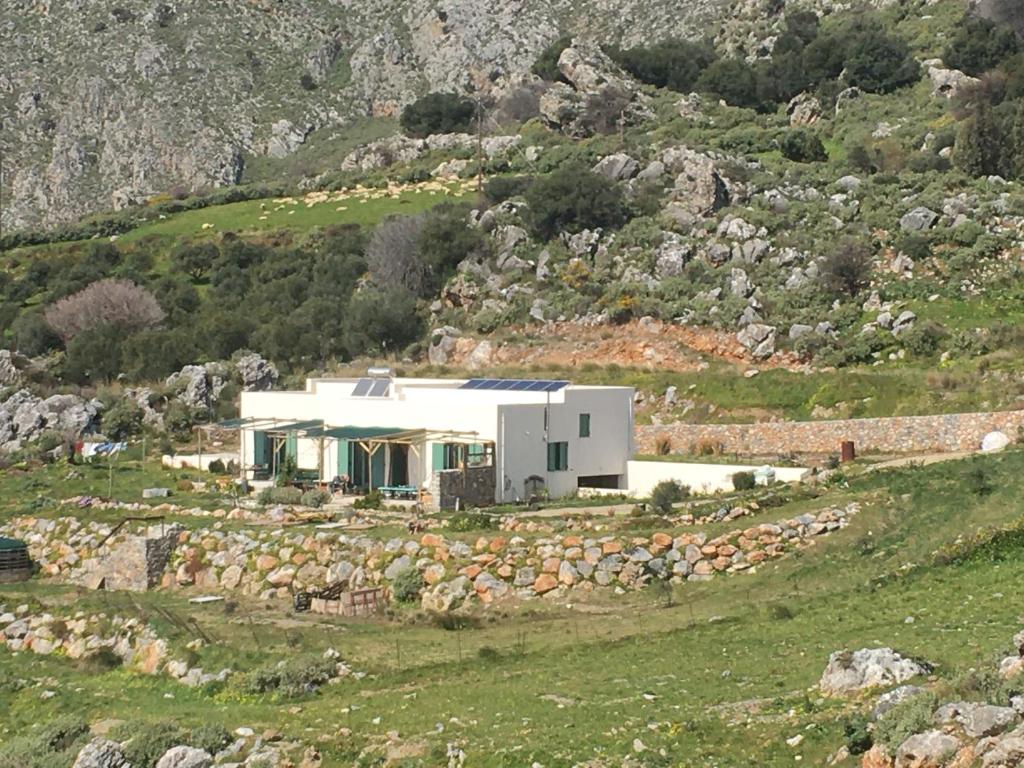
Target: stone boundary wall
[{"x": 899, "y": 434}]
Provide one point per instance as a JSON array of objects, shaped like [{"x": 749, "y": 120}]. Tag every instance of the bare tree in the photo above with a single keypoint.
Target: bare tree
[
  {"x": 393, "y": 254},
  {"x": 108, "y": 301}
]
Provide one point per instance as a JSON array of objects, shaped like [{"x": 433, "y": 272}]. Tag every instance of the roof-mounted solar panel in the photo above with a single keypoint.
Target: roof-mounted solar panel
[
  {"x": 362, "y": 388},
  {"x": 379, "y": 388}
]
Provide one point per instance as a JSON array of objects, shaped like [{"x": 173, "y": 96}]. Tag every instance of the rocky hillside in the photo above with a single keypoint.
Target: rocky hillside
[{"x": 110, "y": 102}]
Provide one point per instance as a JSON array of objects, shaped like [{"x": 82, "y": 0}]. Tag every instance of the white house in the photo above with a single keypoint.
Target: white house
[{"x": 474, "y": 441}]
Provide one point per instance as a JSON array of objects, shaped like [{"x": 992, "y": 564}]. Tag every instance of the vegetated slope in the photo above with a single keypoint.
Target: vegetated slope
[
  {"x": 722, "y": 674},
  {"x": 111, "y": 103}
]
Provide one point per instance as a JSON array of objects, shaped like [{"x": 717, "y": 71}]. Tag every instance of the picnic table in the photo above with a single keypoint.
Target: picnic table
[{"x": 399, "y": 491}]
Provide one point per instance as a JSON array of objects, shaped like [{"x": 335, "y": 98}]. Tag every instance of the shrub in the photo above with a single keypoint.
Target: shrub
[
  {"x": 663, "y": 445},
  {"x": 500, "y": 188},
  {"x": 277, "y": 495},
  {"x": 977, "y": 480},
  {"x": 979, "y": 45},
  {"x": 546, "y": 65},
  {"x": 178, "y": 418},
  {"x": 802, "y": 146},
  {"x": 734, "y": 80},
  {"x": 372, "y": 500},
  {"x": 857, "y": 734},
  {"x": 573, "y": 198},
  {"x": 147, "y": 742},
  {"x": 407, "y": 585},
  {"x": 122, "y": 420},
  {"x": 879, "y": 63},
  {"x": 743, "y": 481},
  {"x": 295, "y": 676},
  {"x": 671, "y": 63},
  {"x": 666, "y": 493},
  {"x": 913, "y": 715},
  {"x": 209, "y": 737},
  {"x": 847, "y": 269},
  {"x": 923, "y": 339},
  {"x": 120, "y": 303},
  {"x": 437, "y": 113},
  {"x": 53, "y": 745},
  {"x": 216, "y": 467},
  {"x": 315, "y": 498},
  {"x": 470, "y": 521}
]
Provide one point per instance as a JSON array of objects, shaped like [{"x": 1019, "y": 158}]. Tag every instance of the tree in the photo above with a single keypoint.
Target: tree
[
  {"x": 979, "y": 45},
  {"x": 1016, "y": 151},
  {"x": 106, "y": 302},
  {"x": 393, "y": 254},
  {"x": 381, "y": 321},
  {"x": 122, "y": 420},
  {"x": 977, "y": 147},
  {"x": 802, "y": 146},
  {"x": 847, "y": 269},
  {"x": 666, "y": 493},
  {"x": 546, "y": 65},
  {"x": 195, "y": 259},
  {"x": 672, "y": 63},
  {"x": 437, "y": 113},
  {"x": 445, "y": 239},
  {"x": 33, "y": 335},
  {"x": 573, "y": 198},
  {"x": 94, "y": 354},
  {"x": 879, "y": 63},
  {"x": 734, "y": 80}
]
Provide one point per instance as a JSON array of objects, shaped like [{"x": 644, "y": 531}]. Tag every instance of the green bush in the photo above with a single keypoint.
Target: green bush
[
  {"x": 216, "y": 467},
  {"x": 277, "y": 495},
  {"x": 372, "y": 500},
  {"x": 802, "y": 146},
  {"x": 913, "y": 715},
  {"x": 501, "y": 188},
  {"x": 923, "y": 339},
  {"x": 315, "y": 498},
  {"x": 437, "y": 113},
  {"x": 857, "y": 734},
  {"x": 122, "y": 420},
  {"x": 209, "y": 737},
  {"x": 471, "y": 521},
  {"x": 146, "y": 743},
  {"x": 666, "y": 493},
  {"x": 53, "y": 745},
  {"x": 743, "y": 481},
  {"x": 295, "y": 676},
  {"x": 407, "y": 585},
  {"x": 573, "y": 198},
  {"x": 979, "y": 45},
  {"x": 546, "y": 65},
  {"x": 671, "y": 63},
  {"x": 734, "y": 80},
  {"x": 846, "y": 270}
]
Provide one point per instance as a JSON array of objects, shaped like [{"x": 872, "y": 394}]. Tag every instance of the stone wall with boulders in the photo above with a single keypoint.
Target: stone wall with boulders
[{"x": 900, "y": 434}]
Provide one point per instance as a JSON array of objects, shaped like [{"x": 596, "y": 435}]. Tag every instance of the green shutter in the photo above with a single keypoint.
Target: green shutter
[
  {"x": 558, "y": 456},
  {"x": 552, "y": 457},
  {"x": 437, "y": 457},
  {"x": 259, "y": 445},
  {"x": 291, "y": 447},
  {"x": 584, "y": 425},
  {"x": 377, "y": 468},
  {"x": 563, "y": 458},
  {"x": 343, "y": 459}
]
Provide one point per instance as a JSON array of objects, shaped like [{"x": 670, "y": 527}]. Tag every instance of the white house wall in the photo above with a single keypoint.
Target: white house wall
[{"x": 700, "y": 478}]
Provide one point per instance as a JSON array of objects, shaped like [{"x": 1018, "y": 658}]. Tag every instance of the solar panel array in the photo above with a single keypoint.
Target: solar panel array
[
  {"x": 372, "y": 388},
  {"x": 516, "y": 385}
]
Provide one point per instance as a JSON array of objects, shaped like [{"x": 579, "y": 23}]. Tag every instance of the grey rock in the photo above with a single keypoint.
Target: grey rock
[
  {"x": 897, "y": 695},
  {"x": 101, "y": 753},
  {"x": 617, "y": 167},
  {"x": 654, "y": 171},
  {"x": 257, "y": 374},
  {"x": 931, "y": 748},
  {"x": 803, "y": 109},
  {"x": 798, "y": 329},
  {"x": 949, "y": 83},
  {"x": 10, "y": 376},
  {"x": 185, "y": 757},
  {"x": 699, "y": 188},
  {"x": 904, "y": 322},
  {"x": 739, "y": 283},
  {"x": 442, "y": 343},
  {"x": 848, "y": 672},
  {"x": 919, "y": 219},
  {"x": 759, "y": 340}
]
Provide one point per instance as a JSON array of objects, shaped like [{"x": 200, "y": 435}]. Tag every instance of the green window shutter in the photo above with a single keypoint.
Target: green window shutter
[
  {"x": 291, "y": 446},
  {"x": 552, "y": 457},
  {"x": 558, "y": 456},
  {"x": 343, "y": 458},
  {"x": 437, "y": 457},
  {"x": 563, "y": 458},
  {"x": 377, "y": 468},
  {"x": 584, "y": 425},
  {"x": 259, "y": 452}
]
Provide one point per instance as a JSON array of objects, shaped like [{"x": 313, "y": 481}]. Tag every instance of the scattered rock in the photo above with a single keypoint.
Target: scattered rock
[{"x": 848, "y": 672}]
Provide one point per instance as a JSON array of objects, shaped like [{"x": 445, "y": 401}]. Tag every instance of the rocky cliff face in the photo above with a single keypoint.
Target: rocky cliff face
[{"x": 105, "y": 103}]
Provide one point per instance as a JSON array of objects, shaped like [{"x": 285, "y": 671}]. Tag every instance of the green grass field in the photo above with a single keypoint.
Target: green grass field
[{"x": 721, "y": 676}]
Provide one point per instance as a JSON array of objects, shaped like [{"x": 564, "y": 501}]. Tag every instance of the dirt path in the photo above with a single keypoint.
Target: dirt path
[{"x": 922, "y": 460}]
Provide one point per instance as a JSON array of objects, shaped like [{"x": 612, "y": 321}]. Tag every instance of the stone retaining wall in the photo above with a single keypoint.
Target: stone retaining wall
[{"x": 901, "y": 434}]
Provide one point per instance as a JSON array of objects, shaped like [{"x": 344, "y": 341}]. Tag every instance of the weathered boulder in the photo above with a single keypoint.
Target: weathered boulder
[
  {"x": 759, "y": 339},
  {"x": 699, "y": 188},
  {"x": 949, "y": 83},
  {"x": 101, "y": 753},
  {"x": 919, "y": 219},
  {"x": 442, "y": 344},
  {"x": 848, "y": 672},
  {"x": 930, "y": 749},
  {"x": 257, "y": 374},
  {"x": 184, "y": 757},
  {"x": 803, "y": 109},
  {"x": 617, "y": 167}
]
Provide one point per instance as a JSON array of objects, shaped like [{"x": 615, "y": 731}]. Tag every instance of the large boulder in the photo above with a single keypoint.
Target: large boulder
[
  {"x": 803, "y": 109},
  {"x": 10, "y": 376},
  {"x": 699, "y": 188},
  {"x": 930, "y": 749},
  {"x": 848, "y": 672},
  {"x": 918, "y": 220},
  {"x": 949, "y": 83},
  {"x": 617, "y": 167},
  {"x": 759, "y": 339},
  {"x": 257, "y": 374},
  {"x": 101, "y": 753},
  {"x": 185, "y": 757}
]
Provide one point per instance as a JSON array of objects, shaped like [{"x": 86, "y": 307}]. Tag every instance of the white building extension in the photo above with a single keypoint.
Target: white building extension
[{"x": 473, "y": 441}]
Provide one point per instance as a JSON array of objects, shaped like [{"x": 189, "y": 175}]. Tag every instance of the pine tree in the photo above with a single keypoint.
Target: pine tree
[
  {"x": 977, "y": 148},
  {"x": 1016, "y": 150}
]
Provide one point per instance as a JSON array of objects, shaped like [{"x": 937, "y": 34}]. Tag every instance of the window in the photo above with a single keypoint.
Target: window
[
  {"x": 558, "y": 456},
  {"x": 584, "y": 425}
]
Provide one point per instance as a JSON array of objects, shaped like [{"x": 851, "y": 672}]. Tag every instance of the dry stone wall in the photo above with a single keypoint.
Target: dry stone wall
[{"x": 901, "y": 434}]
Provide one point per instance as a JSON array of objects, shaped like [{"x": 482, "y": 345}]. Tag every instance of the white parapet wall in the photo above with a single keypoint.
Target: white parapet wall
[
  {"x": 195, "y": 461},
  {"x": 701, "y": 478}
]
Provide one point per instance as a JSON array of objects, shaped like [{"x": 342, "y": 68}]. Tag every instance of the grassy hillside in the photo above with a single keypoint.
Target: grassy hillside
[{"x": 722, "y": 675}]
